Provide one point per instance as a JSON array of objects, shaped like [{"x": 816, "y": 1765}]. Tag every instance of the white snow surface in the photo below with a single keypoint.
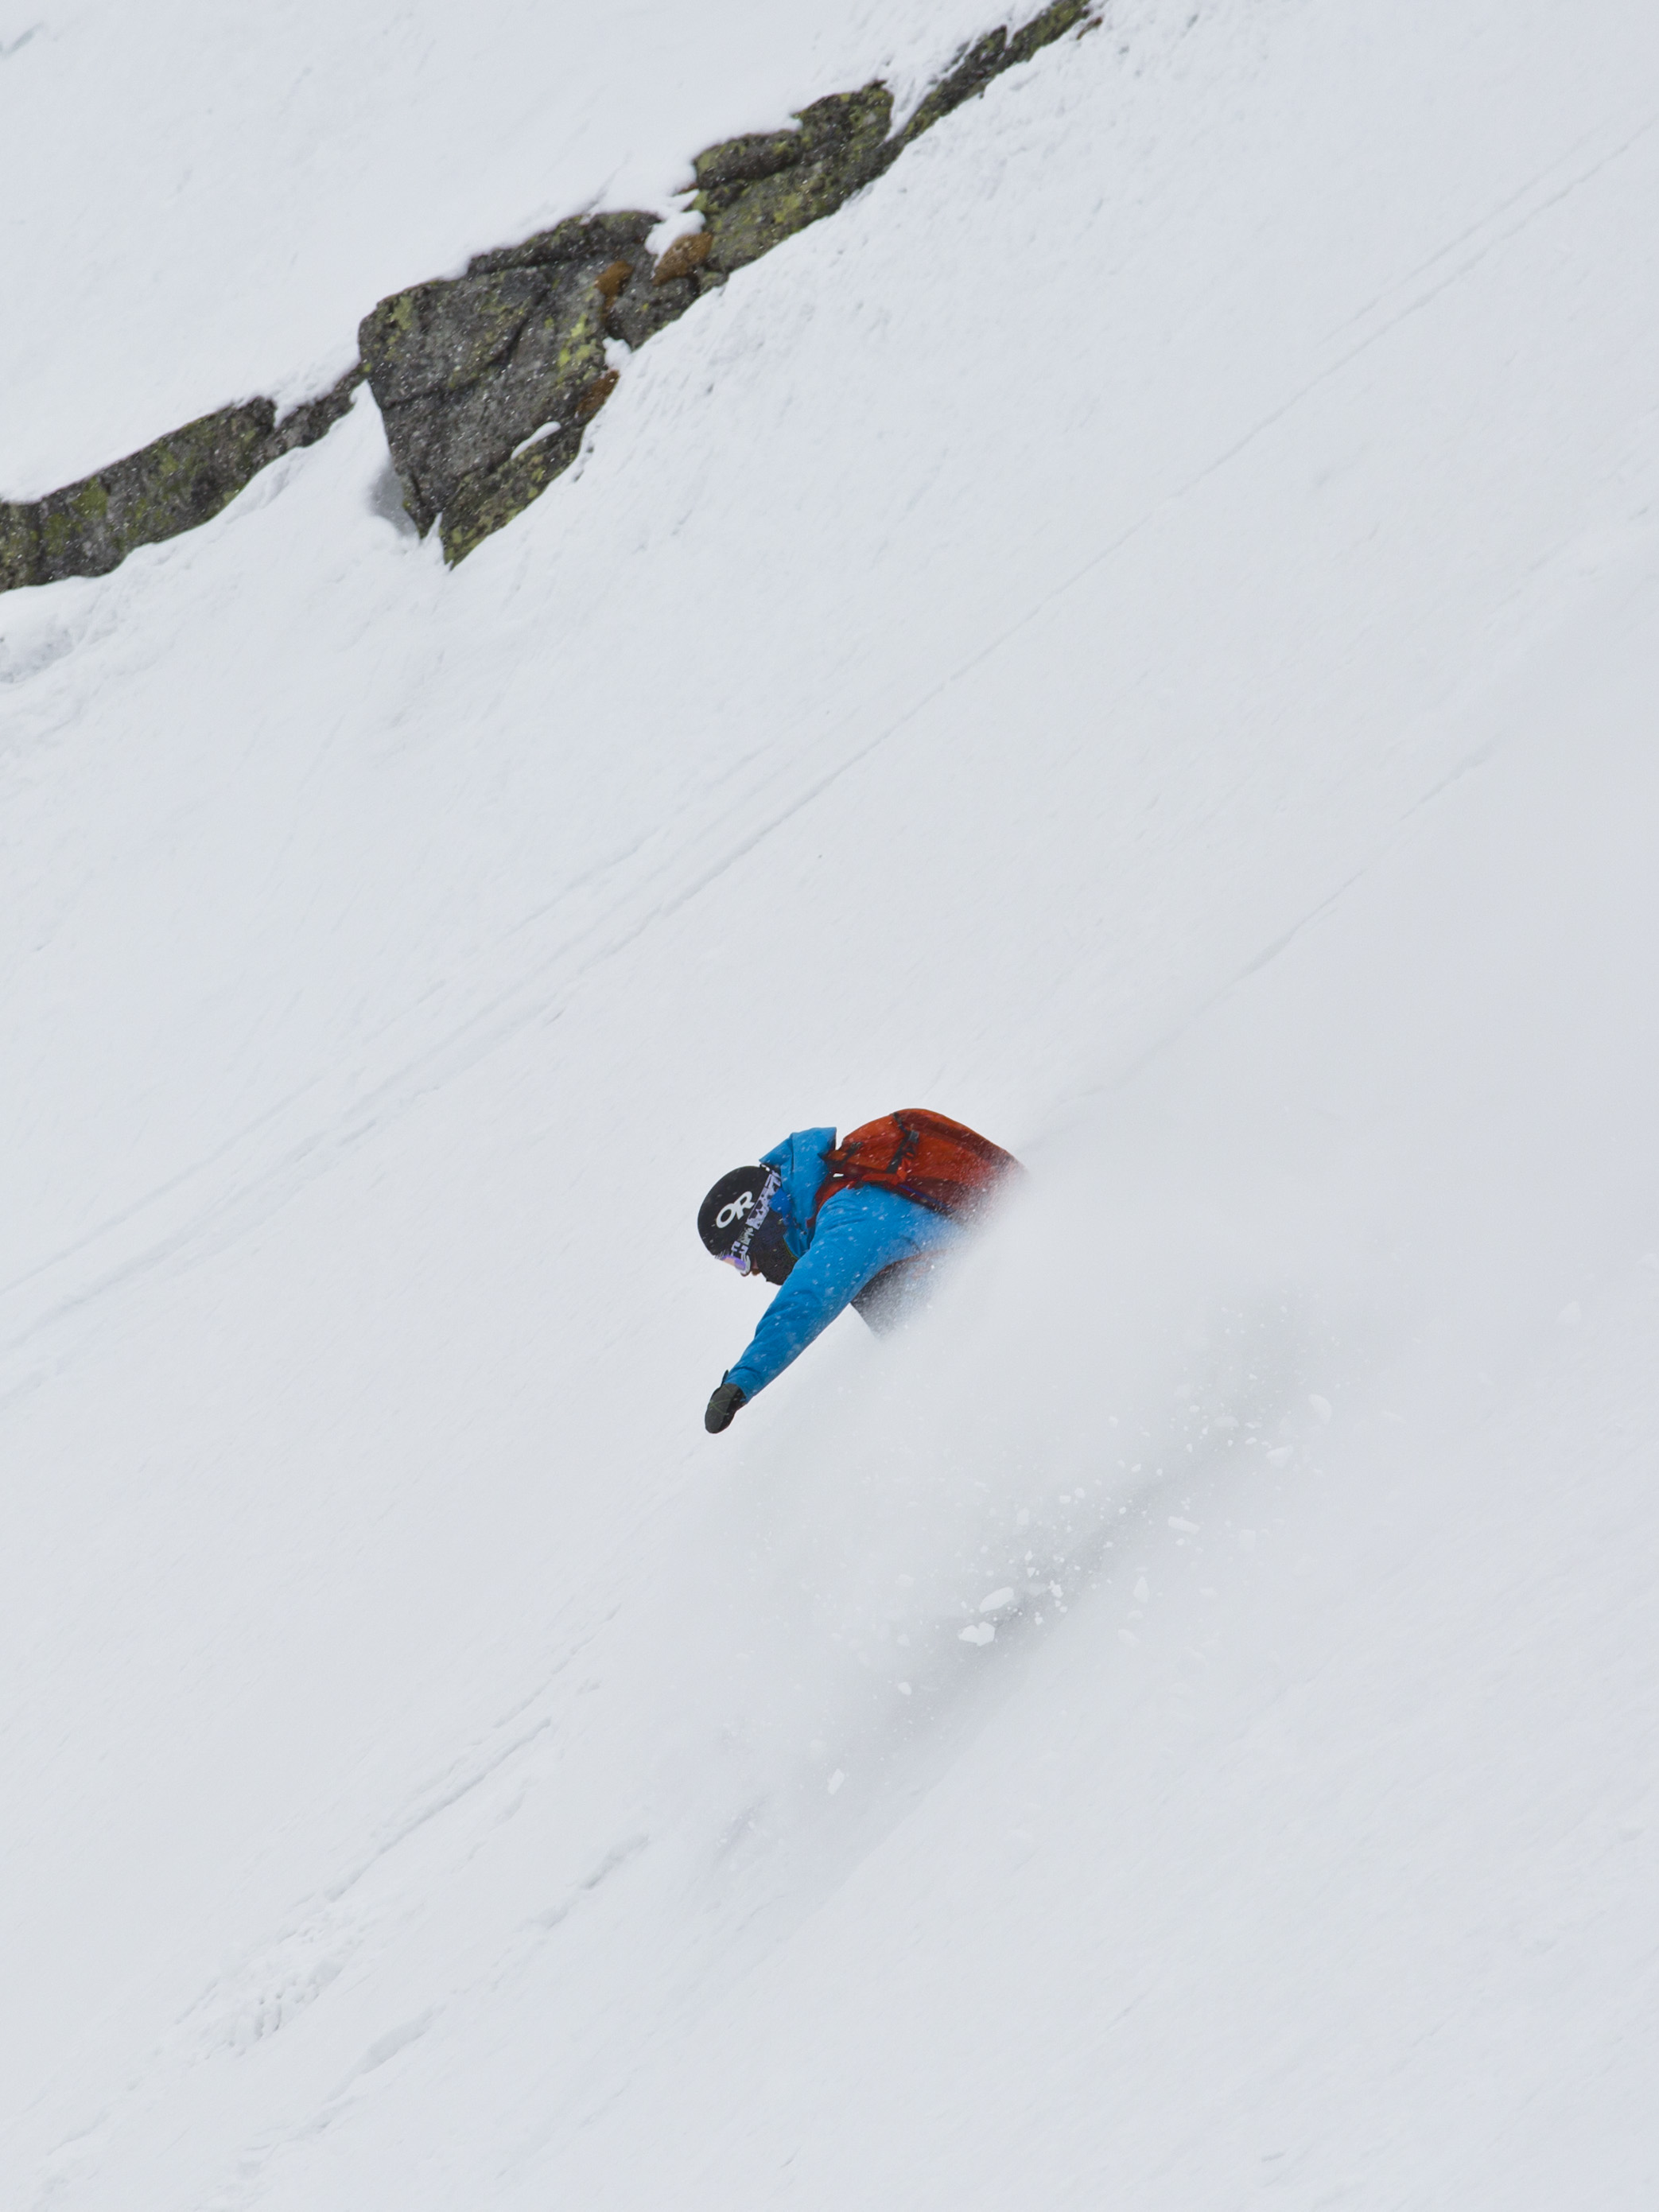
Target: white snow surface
[{"x": 1140, "y": 633}]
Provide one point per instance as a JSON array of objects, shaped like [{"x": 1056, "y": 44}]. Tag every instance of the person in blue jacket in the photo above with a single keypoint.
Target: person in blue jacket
[{"x": 867, "y": 1248}]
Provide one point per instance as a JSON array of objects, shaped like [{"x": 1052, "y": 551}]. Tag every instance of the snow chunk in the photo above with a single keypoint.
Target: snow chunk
[{"x": 982, "y": 1633}]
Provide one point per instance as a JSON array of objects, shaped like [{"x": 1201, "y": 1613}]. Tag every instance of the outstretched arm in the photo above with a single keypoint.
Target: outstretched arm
[{"x": 859, "y": 1234}]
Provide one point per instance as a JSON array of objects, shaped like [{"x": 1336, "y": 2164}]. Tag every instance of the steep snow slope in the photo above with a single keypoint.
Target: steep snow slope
[
  {"x": 201, "y": 205},
  {"x": 1139, "y": 632}
]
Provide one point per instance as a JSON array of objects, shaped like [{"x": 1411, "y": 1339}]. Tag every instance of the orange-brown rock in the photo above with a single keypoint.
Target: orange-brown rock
[
  {"x": 596, "y": 394},
  {"x": 685, "y": 255}
]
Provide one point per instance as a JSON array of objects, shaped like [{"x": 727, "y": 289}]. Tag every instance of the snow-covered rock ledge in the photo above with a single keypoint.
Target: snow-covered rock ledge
[{"x": 487, "y": 381}]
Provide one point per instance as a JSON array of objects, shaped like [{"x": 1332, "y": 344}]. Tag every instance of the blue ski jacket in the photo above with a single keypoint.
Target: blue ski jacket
[{"x": 859, "y": 1233}]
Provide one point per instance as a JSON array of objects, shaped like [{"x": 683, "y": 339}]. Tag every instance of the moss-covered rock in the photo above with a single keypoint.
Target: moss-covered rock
[
  {"x": 314, "y": 418},
  {"x": 746, "y": 161},
  {"x": 580, "y": 238},
  {"x": 441, "y": 337},
  {"x": 86, "y": 529},
  {"x": 467, "y": 370},
  {"x": 20, "y": 545},
  {"x": 987, "y": 58},
  {"x": 840, "y": 146},
  {"x": 643, "y": 306},
  {"x": 181, "y": 481},
  {"x": 490, "y": 497}
]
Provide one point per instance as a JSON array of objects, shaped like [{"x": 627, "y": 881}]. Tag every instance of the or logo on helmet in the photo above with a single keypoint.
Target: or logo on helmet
[{"x": 733, "y": 1211}]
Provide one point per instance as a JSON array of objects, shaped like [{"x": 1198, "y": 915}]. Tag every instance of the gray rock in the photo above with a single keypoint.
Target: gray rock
[
  {"x": 464, "y": 371},
  {"x": 642, "y": 307},
  {"x": 441, "y": 338},
  {"x": 20, "y": 545},
  {"x": 581, "y": 238},
  {"x": 484, "y": 501},
  {"x": 467, "y": 370},
  {"x": 987, "y": 58},
  {"x": 841, "y": 146},
  {"x": 86, "y": 529},
  {"x": 314, "y": 418},
  {"x": 747, "y": 160}
]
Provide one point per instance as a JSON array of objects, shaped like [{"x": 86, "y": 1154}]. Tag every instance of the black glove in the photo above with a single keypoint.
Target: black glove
[{"x": 725, "y": 1402}]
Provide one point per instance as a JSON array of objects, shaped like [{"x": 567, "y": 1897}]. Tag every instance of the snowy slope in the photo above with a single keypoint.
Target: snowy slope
[
  {"x": 1139, "y": 632},
  {"x": 201, "y": 203}
]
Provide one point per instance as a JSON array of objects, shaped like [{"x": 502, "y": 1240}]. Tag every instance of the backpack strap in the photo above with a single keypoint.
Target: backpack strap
[{"x": 826, "y": 1191}]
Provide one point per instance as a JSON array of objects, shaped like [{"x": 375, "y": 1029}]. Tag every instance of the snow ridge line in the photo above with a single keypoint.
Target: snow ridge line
[{"x": 487, "y": 383}]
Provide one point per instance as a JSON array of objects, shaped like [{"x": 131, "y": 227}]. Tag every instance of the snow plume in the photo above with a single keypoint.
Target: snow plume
[{"x": 1089, "y": 1362}]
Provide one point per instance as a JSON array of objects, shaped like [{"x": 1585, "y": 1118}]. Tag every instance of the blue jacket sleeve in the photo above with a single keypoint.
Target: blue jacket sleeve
[
  {"x": 859, "y": 1234},
  {"x": 799, "y": 1161}
]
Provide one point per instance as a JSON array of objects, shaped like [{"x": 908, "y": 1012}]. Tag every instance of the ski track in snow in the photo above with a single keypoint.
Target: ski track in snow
[{"x": 532, "y": 997}]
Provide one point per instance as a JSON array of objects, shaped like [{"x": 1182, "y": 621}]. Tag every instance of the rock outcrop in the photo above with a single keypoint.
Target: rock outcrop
[
  {"x": 753, "y": 193},
  {"x": 487, "y": 381},
  {"x": 174, "y": 485},
  {"x": 466, "y": 371}
]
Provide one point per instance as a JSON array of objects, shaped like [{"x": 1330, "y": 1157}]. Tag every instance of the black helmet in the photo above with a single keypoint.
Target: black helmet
[{"x": 736, "y": 1222}]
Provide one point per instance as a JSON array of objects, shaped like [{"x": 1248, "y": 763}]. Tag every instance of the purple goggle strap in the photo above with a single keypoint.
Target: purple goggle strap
[{"x": 738, "y": 1257}]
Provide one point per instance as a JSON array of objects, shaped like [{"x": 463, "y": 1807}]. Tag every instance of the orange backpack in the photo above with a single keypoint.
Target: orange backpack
[{"x": 922, "y": 1156}]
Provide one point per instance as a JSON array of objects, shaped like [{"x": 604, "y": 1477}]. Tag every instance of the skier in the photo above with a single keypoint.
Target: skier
[{"x": 862, "y": 1223}]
